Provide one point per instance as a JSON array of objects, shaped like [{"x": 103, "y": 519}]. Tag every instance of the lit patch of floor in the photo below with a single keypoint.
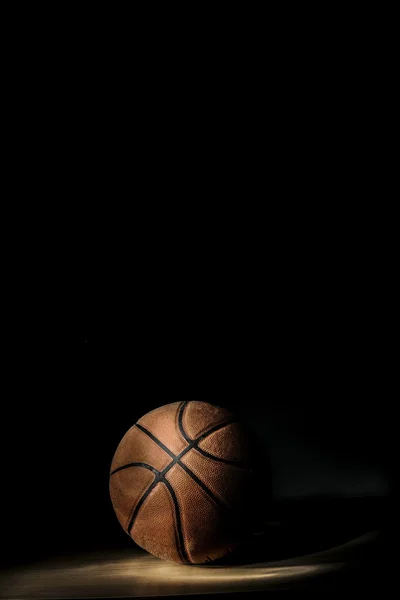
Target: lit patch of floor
[{"x": 141, "y": 575}]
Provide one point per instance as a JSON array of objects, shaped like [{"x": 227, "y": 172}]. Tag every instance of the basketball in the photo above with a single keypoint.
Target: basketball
[{"x": 180, "y": 482}]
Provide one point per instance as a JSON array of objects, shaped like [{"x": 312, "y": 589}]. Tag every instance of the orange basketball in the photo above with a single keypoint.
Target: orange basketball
[{"x": 179, "y": 479}]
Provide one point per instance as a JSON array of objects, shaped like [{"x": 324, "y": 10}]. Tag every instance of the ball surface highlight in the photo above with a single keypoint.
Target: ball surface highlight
[{"x": 180, "y": 482}]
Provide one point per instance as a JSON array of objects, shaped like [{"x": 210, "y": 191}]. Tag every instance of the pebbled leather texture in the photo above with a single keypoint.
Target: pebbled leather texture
[{"x": 171, "y": 489}]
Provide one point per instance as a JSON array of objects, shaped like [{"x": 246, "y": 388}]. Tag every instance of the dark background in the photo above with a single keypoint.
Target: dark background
[{"x": 287, "y": 321}]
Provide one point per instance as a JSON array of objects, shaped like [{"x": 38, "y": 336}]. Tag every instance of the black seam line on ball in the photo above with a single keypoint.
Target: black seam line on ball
[
  {"x": 180, "y": 421},
  {"x": 141, "y": 501},
  {"x": 214, "y": 429},
  {"x": 204, "y": 435},
  {"x": 203, "y": 486},
  {"x": 176, "y": 459},
  {"x": 135, "y": 464},
  {"x": 234, "y": 463},
  {"x": 180, "y": 542},
  {"x": 156, "y": 440}
]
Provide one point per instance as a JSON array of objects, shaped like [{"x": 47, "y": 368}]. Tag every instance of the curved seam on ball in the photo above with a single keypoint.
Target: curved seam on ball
[
  {"x": 231, "y": 463},
  {"x": 135, "y": 464},
  {"x": 178, "y": 522},
  {"x": 205, "y": 431},
  {"x": 176, "y": 460},
  {"x": 180, "y": 422},
  {"x": 139, "y": 505},
  {"x": 156, "y": 440}
]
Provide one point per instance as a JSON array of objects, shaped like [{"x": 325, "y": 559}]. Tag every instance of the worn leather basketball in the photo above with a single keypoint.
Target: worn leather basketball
[{"x": 180, "y": 482}]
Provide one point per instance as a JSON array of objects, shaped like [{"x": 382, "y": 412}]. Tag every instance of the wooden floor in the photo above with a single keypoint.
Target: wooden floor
[{"x": 137, "y": 574}]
